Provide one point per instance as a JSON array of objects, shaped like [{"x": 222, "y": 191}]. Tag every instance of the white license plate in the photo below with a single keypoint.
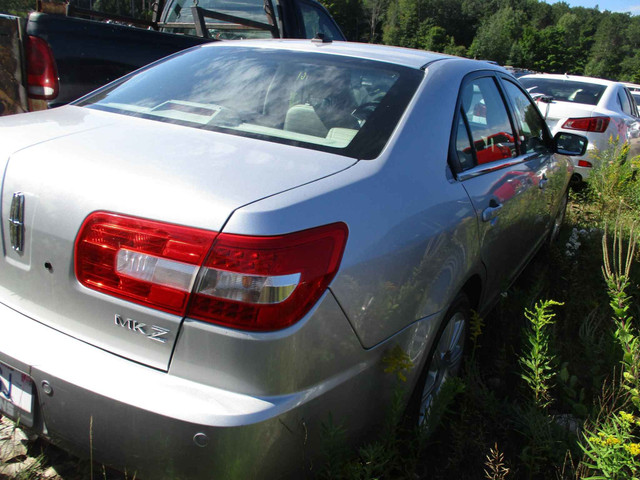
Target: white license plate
[{"x": 16, "y": 394}]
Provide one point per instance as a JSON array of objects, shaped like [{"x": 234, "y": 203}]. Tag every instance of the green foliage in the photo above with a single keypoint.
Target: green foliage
[
  {"x": 17, "y": 7},
  {"x": 397, "y": 362},
  {"x": 496, "y": 36},
  {"x": 612, "y": 449},
  {"x": 524, "y": 33},
  {"x": 617, "y": 276},
  {"x": 537, "y": 363},
  {"x": 615, "y": 181}
]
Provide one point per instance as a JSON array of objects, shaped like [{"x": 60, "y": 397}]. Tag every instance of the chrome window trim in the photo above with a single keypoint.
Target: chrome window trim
[{"x": 493, "y": 166}]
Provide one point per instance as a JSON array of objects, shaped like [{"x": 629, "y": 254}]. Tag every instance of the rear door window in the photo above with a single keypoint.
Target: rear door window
[{"x": 484, "y": 113}]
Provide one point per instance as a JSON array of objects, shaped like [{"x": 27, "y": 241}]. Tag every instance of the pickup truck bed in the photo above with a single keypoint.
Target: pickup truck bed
[{"x": 90, "y": 54}]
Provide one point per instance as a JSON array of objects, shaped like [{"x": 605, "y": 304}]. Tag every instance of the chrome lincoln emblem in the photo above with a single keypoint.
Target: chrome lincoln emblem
[{"x": 16, "y": 222}]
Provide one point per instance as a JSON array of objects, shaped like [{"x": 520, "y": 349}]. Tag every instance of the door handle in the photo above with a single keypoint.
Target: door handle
[{"x": 490, "y": 213}]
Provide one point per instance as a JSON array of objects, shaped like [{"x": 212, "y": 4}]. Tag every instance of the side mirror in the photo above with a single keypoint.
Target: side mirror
[{"x": 570, "y": 144}]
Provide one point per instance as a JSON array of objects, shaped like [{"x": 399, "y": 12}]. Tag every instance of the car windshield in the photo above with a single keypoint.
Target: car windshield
[
  {"x": 325, "y": 102},
  {"x": 564, "y": 90}
]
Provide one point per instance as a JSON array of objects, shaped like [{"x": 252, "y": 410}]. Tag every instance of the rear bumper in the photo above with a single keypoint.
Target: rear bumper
[{"x": 133, "y": 417}]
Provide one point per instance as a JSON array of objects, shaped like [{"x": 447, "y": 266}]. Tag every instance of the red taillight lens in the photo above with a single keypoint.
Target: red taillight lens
[
  {"x": 584, "y": 163},
  {"x": 267, "y": 283},
  {"x": 42, "y": 74},
  {"x": 251, "y": 283},
  {"x": 587, "y": 124},
  {"x": 147, "y": 262}
]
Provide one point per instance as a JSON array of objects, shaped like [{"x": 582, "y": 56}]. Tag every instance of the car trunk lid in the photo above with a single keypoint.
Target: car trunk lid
[
  {"x": 556, "y": 112},
  {"x": 135, "y": 167}
]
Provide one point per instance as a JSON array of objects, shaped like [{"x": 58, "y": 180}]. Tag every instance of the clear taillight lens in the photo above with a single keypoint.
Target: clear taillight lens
[
  {"x": 140, "y": 260},
  {"x": 42, "y": 74},
  {"x": 587, "y": 124},
  {"x": 251, "y": 283}
]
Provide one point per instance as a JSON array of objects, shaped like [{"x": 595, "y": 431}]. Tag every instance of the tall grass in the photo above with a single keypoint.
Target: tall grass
[{"x": 558, "y": 390}]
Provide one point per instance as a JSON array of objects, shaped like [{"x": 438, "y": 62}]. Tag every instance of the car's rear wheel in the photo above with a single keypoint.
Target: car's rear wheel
[{"x": 444, "y": 362}]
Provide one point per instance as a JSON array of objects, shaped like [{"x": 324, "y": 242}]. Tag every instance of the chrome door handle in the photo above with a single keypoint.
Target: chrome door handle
[{"x": 490, "y": 213}]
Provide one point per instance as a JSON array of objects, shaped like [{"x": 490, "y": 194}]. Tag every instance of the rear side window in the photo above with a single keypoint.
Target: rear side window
[
  {"x": 485, "y": 118},
  {"x": 337, "y": 104},
  {"x": 534, "y": 135},
  {"x": 623, "y": 101},
  {"x": 564, "y": 90}
]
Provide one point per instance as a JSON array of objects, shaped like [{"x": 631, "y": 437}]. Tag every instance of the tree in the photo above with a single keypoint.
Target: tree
[
  {"x": 374, "y": 10},
  {"x": 403, "y": 23},
  {"x": 496, "y": 36},
  {"x": 18, "y": 7},
  {"x": 609, "y": 50},
  {"x": 349, "y": 15}
]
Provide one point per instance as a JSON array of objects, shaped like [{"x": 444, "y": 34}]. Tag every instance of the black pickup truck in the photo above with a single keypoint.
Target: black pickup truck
[{"x": 62, "y": 51}]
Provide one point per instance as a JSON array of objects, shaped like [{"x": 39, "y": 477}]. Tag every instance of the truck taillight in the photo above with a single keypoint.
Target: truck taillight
[
  {"x": 42, "y": 74},
  {"x": 245, "y": 282},
  {"x": 587, "y": 124}
]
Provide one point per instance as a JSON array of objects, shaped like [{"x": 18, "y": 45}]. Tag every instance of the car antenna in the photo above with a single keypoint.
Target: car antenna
[{"x": 321, "y": 38}]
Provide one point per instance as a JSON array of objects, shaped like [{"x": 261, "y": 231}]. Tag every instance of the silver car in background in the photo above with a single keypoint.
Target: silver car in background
[
  {"x": 598, "y": 109},
  {"x": 210, "y": 258}
]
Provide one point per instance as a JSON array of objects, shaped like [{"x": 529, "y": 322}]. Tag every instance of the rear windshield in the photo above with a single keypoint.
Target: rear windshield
[
  {"x": 565, "y": 90},
  {"x": 180, "y": 18},
  {"x": 325, "y": 102}
]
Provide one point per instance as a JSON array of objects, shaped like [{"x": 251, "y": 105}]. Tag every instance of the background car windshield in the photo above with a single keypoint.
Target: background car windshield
[
  {"x": 565, "y": 90},
  {"x": 315, "y": 100}
]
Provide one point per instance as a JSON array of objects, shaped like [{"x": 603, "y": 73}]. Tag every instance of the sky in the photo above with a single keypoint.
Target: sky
[{"x": 632, "y": 6}]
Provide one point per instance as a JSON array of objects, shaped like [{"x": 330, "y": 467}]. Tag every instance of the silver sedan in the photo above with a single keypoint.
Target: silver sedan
[{"x": 208, "y": 259}]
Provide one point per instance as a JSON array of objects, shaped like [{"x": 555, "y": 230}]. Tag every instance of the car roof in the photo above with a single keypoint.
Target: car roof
[
  {"x": 397, "y": 55},
  {"x": 633, "y": 87},
  {"x": 574, "y": 78}
]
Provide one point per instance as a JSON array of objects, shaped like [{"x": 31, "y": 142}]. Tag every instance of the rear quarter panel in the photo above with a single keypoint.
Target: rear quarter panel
[{"x": 413, "y": 234}]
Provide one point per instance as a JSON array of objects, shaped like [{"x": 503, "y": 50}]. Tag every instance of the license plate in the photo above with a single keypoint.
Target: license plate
[{"x": 16, "y": 395}]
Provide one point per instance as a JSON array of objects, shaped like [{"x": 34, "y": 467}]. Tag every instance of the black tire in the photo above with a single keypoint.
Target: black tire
[{"x": 444, "y": 360}]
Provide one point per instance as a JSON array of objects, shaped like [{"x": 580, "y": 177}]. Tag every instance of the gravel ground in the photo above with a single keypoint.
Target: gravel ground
[{"x": 25, "y": 457}]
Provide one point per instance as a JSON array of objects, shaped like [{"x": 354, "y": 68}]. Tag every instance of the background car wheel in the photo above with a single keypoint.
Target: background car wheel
[
  {"x": 444, "y": 360},
  {"x": 559, "y": 220}
]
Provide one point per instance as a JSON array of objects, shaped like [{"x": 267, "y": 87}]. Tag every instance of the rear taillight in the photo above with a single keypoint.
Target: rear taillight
[
  {"x": 584, "y": 163},
  {"x": 42, "y": 74},
  {"x": 267, "y": 283},
  {"x": 147, "y": 262},
  {"x": 251, "y": 283},
  {"x": 587, "y": 124}
]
